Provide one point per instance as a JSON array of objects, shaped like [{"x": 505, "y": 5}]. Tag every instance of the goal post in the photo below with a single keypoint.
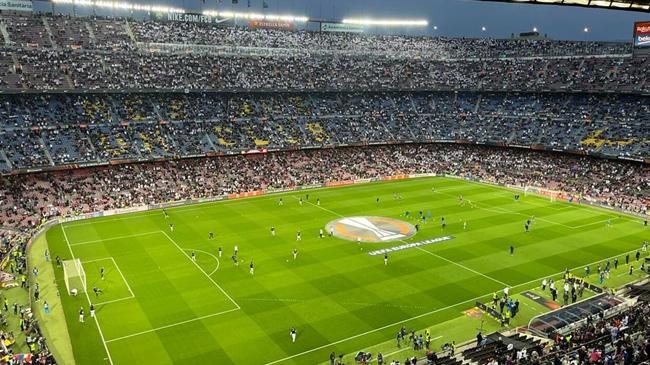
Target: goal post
[{"x": 74, "y": 276}]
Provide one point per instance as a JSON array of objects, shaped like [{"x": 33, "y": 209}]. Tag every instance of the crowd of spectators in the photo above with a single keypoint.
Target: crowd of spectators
[
  {"x": 48, "y": 130},
  {"x": 46, "y": 69},
  {"x": 521, "y": 92},
  {"x": 17, "y": 320},
  {"x": 62, "y": 53},
  {"x": 26, "y": 31},
  {"x": 622, "y": 339},
  {"x": 608, "y": 340},
  {"x": 95, "y": 33},
  {"x": 25, "y": 200},
  {"x": 393, "y": 46}
]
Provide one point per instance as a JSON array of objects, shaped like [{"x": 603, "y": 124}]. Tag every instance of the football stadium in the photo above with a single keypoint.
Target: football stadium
[{"x": 267, "y": 182}]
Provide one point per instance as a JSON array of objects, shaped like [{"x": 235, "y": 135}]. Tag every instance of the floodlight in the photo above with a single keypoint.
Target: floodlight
[
  {"x": 386, "y": 22},
  {"x": 121, "y": 5},
  {"x": 256, "y": 16}
]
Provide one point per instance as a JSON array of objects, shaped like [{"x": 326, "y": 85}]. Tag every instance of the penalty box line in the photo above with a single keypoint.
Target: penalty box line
[
  {"x": 175, "y": 244},
  {"x": 128, "y": 287},
  {"x": 201, "y": 269},
  {"x": 567, "y": 205},
  {"x": 237, "y": 307},
  {"x": 99, "y": 328},
  {"x": 114, "y": 238}
]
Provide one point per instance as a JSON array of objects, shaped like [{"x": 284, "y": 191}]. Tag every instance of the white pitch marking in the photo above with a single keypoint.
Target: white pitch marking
[
  {"x": 171, "y": 325},
  {"x": 101, "y": 334},
  {"x": 464, "y": 267},
  {"x": 114, "y": 300},
  {"x": 209, "y": 254},
  {"x": 201, "y": 269},
  {"x": 114, "y": 238}
]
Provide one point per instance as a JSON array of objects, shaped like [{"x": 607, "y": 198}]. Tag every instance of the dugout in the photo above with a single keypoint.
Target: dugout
[{"x": 565, "y": 319}]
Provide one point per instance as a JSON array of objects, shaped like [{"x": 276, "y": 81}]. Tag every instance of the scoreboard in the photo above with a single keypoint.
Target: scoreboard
[
  {"x": 641, "y": 40},
  {"x": 642, "y": 37}
]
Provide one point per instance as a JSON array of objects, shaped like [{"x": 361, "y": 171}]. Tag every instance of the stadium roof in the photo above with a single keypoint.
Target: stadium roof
[{"x": 631, "y": 5}]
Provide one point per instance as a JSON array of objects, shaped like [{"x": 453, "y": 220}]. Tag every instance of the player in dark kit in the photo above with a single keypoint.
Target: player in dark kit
[{"x": 512, "y": 250}]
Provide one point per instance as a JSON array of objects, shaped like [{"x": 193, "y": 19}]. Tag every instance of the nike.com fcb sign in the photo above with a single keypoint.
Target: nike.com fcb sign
[{"x": 371, "y": 229}]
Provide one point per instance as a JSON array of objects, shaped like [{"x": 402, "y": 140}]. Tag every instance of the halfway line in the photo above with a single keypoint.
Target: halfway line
[
  {"x": 421, "y": 249},
  {"x": 464, "y": 267}
]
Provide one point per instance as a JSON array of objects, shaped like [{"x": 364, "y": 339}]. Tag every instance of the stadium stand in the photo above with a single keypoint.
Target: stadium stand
[
  {"x": 26, "y": 31},
  {"x": 201, "y": 34},
  {"x": 30, "y": 198},
  {"x": 123, "y": 70},
  {"x": 103, "y": 127},
  {"x": 62, "y": 52},
  {"x": 104, "y": 113}
]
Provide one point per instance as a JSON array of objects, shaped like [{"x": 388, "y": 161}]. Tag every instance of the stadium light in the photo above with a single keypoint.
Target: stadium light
[
  {"x": 386, "y": 22},
  {"x": 255, "y": 16},
  {"x": 121, "y": 5},
  {"x": 167, "y": 9},
  {"x": 534, "y": 29},
  {"x": 611, "y": 4},
  {"x": 586, "y": 30},
  {"x": 435, "y": 27},
  {"x": 483, "y": 28}
]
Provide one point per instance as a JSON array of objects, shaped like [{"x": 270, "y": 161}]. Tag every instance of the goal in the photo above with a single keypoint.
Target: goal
[{"x": 74, "y": 276}]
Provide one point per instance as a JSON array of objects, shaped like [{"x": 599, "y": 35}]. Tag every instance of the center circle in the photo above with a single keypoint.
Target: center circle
[{"x": 370, "y": 229}]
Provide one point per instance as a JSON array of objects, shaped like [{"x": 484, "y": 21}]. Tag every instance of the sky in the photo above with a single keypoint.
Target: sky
[{"x": 452, "y": 18}]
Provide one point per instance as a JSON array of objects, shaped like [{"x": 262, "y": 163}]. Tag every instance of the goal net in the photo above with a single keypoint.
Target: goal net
[{"x": 74, "y": 276}]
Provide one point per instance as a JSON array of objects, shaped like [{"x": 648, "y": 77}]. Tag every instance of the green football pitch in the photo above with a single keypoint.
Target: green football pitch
[{"x": 161, "y": 306}]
